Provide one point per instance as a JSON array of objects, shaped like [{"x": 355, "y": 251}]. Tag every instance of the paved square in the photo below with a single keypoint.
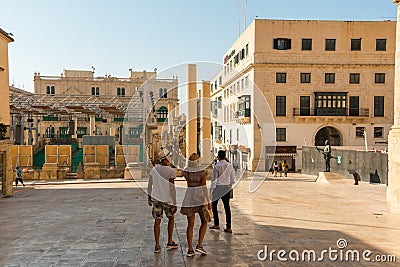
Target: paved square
[{"x": 108, "y": 223}]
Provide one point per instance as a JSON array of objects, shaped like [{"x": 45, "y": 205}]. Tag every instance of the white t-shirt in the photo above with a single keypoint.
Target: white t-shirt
[{"x": 161, "y": 185}]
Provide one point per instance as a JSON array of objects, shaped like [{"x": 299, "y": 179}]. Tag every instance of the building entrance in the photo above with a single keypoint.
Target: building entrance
[{"x": 328, "y": 133}]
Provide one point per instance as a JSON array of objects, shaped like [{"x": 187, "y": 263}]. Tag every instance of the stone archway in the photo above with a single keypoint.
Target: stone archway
[{"x": 328, "y": 133}]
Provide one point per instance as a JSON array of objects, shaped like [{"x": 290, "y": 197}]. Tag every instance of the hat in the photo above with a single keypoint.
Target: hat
[{"x": 163, "y": 155}]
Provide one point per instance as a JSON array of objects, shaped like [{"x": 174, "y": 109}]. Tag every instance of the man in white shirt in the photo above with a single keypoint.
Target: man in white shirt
[
  {"x": 221, "y": 185},
  {"x": 162, "y": 196}
]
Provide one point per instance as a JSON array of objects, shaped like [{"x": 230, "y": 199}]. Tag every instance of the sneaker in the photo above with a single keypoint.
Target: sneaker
[
  {"x": 228, "y": 230},
  {"x": 190, "y": 253},
  {"x": 214, "y": 227},
  {"x": 157, "y": 249},
  {"x": 172, "y": 245},
  {"x": 201, "y": 250}
]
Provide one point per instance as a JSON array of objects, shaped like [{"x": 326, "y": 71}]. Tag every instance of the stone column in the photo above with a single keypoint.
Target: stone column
[
  {"x": 205, "y": 123},
  {"x": 393, "y": 191},
  {"x": 191, "y": 120}
]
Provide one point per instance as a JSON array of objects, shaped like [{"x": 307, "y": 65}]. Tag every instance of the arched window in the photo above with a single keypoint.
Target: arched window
[
  {"x": 118, "y": 91},
  {"x": 162, "y": 114},
  {"x": 165, "y": 93},
  {"x": 53, "y": 90},
  {"x": 161, "y": 92},
  {"x": 122, "y": 91},
  {"x": 93, "y": 91}
]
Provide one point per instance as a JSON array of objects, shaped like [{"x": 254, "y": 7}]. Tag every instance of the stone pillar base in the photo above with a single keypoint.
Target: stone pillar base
[{"x": 393, "y": 191}]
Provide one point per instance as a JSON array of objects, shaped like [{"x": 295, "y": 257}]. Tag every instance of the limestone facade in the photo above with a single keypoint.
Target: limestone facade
[
  {"x": 317, "y": 80},
  {"x": 94, "y": 105},
  {"x": 6, "y": 174}
]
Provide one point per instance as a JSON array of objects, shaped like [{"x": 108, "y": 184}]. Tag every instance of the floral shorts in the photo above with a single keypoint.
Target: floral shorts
[{"x": 159, "y": 207}]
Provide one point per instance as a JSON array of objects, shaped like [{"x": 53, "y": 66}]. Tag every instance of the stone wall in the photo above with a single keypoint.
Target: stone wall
[{"x": 370, "y": 166}]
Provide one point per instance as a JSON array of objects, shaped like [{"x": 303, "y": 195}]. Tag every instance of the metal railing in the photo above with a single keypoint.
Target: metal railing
[{"x": 349, "y": 112}]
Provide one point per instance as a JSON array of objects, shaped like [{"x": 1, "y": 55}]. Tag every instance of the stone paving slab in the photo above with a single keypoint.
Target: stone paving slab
[{"x": 110, "y": 224}]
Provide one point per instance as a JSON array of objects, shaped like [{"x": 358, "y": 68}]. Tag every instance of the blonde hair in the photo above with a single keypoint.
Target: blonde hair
[{"x": 193, "y": 160}]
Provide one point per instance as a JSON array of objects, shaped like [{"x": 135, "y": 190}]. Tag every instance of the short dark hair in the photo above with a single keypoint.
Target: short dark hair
[{"x": 221, "y": 154}]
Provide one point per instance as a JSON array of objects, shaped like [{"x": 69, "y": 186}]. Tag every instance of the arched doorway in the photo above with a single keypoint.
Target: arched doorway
[{"x": 328, "y": 133}]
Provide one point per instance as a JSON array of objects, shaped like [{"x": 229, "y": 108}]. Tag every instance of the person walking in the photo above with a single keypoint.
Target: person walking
[
  {"x": 162, "y": 196},
  {"x": 18, "y": 177},
  {"x": 221, "y": 184},
  {"x": 275, "y": 168},
  {"x": 195, "y": 198}
]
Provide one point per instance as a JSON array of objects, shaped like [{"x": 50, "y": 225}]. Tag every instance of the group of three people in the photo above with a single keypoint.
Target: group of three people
[{"x": 162, "y": 196}]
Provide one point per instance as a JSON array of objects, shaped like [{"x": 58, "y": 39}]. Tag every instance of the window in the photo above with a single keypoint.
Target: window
[
  {"x": 162, "y": 114},
  {"x": 281, "y": 78},
  {"x": 247, "y": 50},
  {"x": 356, "y": 44},
  {"x": 329, "y": 77},
  {"x": 280, "y": 134},
  {"x": 379, "y": 77},
  {"x": 134, "y": 132},
  {"x": 306, "y": 44},
  {"x": 354, "y": 78},
  {"x": 243, "y": 106},
  {"x": 379, "y": 106},
  {"x": 360, "y": 132},
  {"x": 280, "y": 105},
  {"x": 330, "y": 104},
  {"x": 81, "y": 131},
  {"x": 378, "y": 132},
  {"x": 95, "y": 91},
  {"x": 354, "y": 106},
  {"x": 163, "y": 93},
  {"x": 305, "y": 77},
  {"x": 330, "y": 44},
  {"x": 282, "y": 43},
  {"x": 121, "y": 91},
  {"x": 380, "y": 44},
  {"x": 218, "y": 132},
  {"x": 220, "y": 80},
  {"x": 64, "y": 133},
  {"x": 304, "y": 106}
]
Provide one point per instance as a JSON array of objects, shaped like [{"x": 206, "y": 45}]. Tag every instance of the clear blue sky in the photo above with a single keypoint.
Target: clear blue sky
[{"x": 114, "y": 36}]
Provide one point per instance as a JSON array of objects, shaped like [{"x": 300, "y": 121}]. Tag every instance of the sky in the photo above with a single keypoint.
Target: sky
[{"x": 115, "y": 36}]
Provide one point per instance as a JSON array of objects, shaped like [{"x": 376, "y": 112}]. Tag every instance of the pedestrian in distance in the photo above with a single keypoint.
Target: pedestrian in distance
[
  {"x": 162, "y": 196},
  {"x": 195, "y": 198},
  {"x": 280, "y": 169},
  {"x": 221, "y": 184},
  {"x": 18, "y": 177},
  {"x": 275, "y": 168}
]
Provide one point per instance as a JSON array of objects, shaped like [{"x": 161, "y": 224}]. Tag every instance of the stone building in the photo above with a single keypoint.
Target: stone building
[
  {"x": 139, "y": 109},
  {"x": 317, "y": 80},
  {"x": 6, "y": 177}
]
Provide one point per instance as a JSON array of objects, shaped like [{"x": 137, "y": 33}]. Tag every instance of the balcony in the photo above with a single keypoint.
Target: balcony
[{"x": 346, "y": 112}]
